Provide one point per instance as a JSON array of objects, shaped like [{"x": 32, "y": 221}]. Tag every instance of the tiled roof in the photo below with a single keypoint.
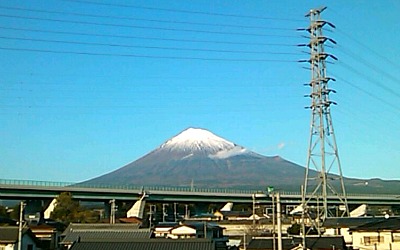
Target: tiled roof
[
  {"x": 149, "y": 244},
  {"x": 98, "y": 227},
  {"x": 351, "y": 221},
  {"x": 288, "y": 243},
  {"x": 389, "y": 224},
  {"x": 8, "y": 234},
  {"x": 106, "y": 236},
  {"x": 103, "y": 233}
]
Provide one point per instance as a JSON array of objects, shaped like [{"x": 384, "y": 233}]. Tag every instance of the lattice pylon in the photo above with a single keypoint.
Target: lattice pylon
[{"x": 323, "y": 157}]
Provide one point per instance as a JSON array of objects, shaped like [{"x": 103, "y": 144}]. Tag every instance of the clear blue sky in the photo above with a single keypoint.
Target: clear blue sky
[{"x": 87, "y": 88}]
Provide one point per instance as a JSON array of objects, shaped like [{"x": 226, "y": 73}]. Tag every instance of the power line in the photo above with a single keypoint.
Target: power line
[
  {"x": 182, "y": 11},
  {"x": 369, "y": 94},
  {"x": 143, "y": 19},
  {"x": 352, "y": 69},
  {"x": 360, "y": 43},
  {"x": 369, "y": 65},
  {"x": 144, "y": 27},
  {"x": 146, "y": 47},
  {"x": 142, "y": 56},
  {"x": 368, "y": 48},
  {"x": 145, "y": 38}
]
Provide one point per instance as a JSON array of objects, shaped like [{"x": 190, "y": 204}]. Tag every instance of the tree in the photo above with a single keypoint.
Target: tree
[{"x": 68, "y": 210}]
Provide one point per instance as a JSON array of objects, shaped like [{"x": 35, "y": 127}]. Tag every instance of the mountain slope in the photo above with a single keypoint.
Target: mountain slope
[{"x": 197, "y": 156}]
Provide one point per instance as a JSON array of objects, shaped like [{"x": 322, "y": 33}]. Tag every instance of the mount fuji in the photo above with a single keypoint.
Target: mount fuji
[{"x": 200, "y": 158}]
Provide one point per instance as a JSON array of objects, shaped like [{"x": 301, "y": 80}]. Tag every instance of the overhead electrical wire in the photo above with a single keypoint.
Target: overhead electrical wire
[
  {"x": 146, "y": 47},
  {"x": 144, "y": 37},
  {"x": 183, "y": 11},
  {"x": 144, "y": 19},
  {"x": 369, "y": 49},
  {"x": 369, "y": 93},
  {"x": 369, "y": 65},
  {"x": 144, "y": 27},
  {"x": 141, "y": 56},
  {"x": 376, "y": 83}
]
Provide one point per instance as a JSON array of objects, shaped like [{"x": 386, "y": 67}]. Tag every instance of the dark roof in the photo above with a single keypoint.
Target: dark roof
[
  {"x": 312, "y": 242},
  {"x": 149, "y": 244},
  {"x": 268, "y": 244},
  {"x": 237, "y": 213},
  {"x": 350, "y": 222},
  {"x": 389, "y": 224},
  {"x": 7, "y": 221},
  {"x": 103, "y": 233},
  {"x": 167, "y": 224},
  {"x": 9, "y": 234},
  {"x": 99, "y": 227}
]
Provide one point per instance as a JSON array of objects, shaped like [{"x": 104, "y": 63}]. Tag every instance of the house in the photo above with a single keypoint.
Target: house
[
  {"x": 161, "y": 230},
  {"x": 342, "y": 225},
  {"x": 48, "y": 235},
  {"x": 192, "y": 230},
  {"x": 376, "y": 235},
  {"x": 196, "y": 230},
  {"x": 149, "y": 244},
  {"x": 295, "y": 243},
  {"x": 102, "y": 233},
  {"x": 9, "y": 238}
]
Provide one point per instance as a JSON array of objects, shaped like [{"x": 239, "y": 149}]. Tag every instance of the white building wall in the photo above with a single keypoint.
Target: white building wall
[{"x": 385, "y": 242}]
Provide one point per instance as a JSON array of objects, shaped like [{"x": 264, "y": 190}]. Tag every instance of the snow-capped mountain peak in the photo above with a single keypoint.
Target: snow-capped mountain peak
[{"x": 194, "y": 140}]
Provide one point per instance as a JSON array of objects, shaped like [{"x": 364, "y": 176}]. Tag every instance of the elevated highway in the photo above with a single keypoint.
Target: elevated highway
[{"x": 31, "y": 190}]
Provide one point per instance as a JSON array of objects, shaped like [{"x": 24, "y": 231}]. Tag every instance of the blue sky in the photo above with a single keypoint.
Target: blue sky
[{"x": 88, "y": 86}]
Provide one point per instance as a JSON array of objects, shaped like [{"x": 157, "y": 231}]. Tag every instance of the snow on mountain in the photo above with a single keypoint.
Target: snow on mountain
[{"x": 195, "y": 140}]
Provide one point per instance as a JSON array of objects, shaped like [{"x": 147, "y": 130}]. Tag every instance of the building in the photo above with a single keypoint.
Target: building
[
  {"x": 149, "y": 244},
  {"x": 102, "y": 233},
  {"x": 295, "y": 243},
  {"x": 9, "y": 238},
  {"x": 347, "y": 227},
  {"x": 377, "y": 235}
]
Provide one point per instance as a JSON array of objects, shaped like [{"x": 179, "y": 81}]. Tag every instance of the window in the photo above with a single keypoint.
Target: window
[
  {"x": 370, "y": 240},
  {"x": 396, "y": 237}
]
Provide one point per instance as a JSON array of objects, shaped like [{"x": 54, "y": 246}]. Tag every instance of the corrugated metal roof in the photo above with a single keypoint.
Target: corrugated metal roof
[{"x": 150, "y": 244}]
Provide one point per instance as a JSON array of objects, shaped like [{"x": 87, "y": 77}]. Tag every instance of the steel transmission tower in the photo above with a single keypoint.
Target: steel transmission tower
[{"x": 322, "y": 152}]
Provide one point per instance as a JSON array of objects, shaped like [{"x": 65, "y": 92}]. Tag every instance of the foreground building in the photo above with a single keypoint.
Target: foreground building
[{"x": 9, "y": 238}]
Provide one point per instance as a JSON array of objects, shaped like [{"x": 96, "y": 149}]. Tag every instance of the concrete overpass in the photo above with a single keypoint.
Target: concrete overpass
[{"x": 30, "y": 190}]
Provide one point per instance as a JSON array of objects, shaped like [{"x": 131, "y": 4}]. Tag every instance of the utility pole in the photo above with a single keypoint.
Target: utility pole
[
  {"x": 152, "y": 214},
  {"x": 279, "y": 220},
  {"x": 175, "y": 211},
  {"x": 323, "y": 153},
  {"x": 164, "y": 211},
  {"x": 187, "y": 212},
  {"x": 254, "y": 210},
  {"x": 20, "y": 224},
  {"x": 273, "y": 222},
  {"x": 113, "y": 209}
]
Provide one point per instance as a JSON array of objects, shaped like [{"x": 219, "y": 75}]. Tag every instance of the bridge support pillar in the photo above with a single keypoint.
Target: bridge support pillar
[{"x": 137, "y": 210}]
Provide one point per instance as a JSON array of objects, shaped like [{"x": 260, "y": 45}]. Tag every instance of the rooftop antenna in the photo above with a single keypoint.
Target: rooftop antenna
[{"x": 323, "y": 153}]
